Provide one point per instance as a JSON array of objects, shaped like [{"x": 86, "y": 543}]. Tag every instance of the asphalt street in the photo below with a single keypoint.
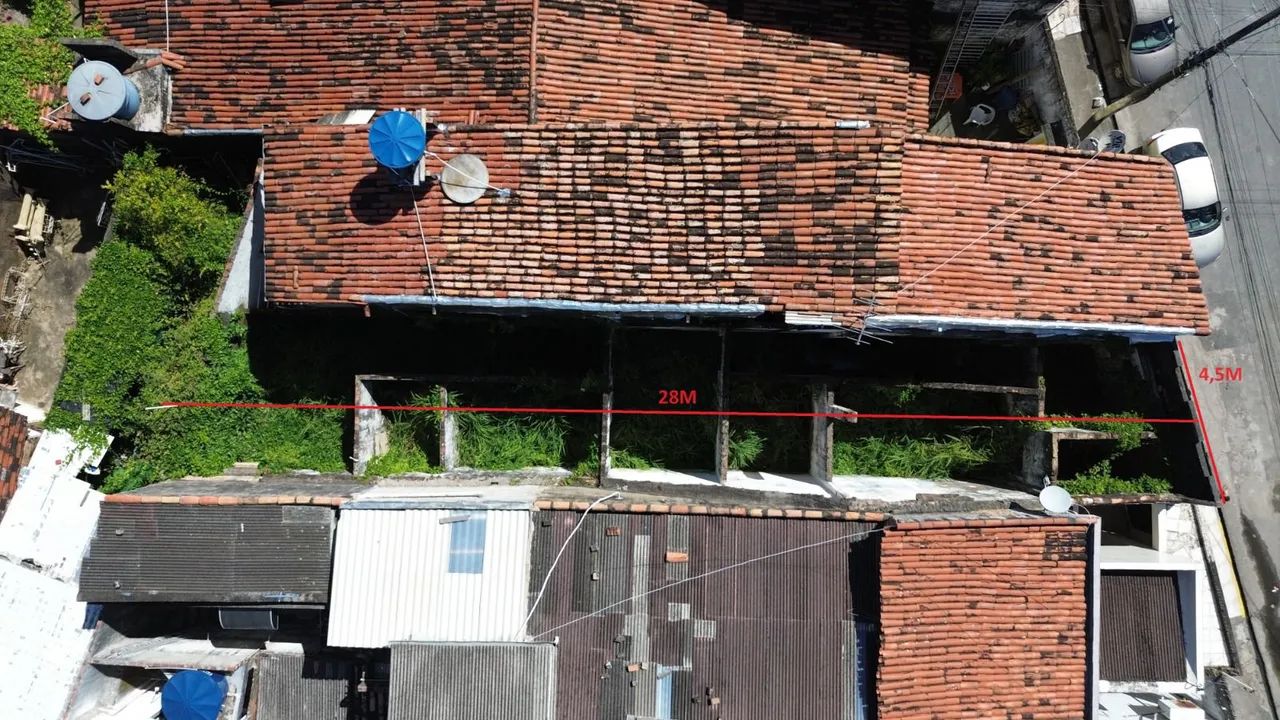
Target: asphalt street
[{"x": 1235, "y": 100}]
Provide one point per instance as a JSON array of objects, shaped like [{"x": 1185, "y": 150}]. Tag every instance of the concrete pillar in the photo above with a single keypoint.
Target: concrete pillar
[
  {"x": 722, "y": 422},
  {"x": 448, "y": 433},
  {"x": 606, "y": 419},
  {"x": 822, "y": 434}
]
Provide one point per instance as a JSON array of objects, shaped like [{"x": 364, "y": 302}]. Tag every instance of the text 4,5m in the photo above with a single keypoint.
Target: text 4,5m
[{"x": 1221, "y": 374}]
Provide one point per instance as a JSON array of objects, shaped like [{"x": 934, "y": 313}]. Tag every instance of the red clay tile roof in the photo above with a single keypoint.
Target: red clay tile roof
[
  {"x": 1106, "y": 244},
  {"x": 785, "y": 218},
  {"x": 686, "y": 61},
  {"x": 789, "y": 218},
  {"x": 13, "y": 440},
  {"x": 257, "y": 63},
  {"x": 983, "y": 619}
]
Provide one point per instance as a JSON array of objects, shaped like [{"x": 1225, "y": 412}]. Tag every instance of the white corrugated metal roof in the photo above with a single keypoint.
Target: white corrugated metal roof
[
  {"x": 41, "y": 627},
  {"x": 52, "y": 515},
  {"x": 391, "y": 578}
]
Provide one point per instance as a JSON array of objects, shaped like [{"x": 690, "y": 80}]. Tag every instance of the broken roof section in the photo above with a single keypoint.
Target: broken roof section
[
  {"x": 530, "y": 61},
  {"x": 735, "y": 221}
]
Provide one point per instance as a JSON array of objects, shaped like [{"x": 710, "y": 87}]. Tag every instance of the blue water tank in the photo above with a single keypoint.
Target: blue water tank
[
  {"x": 193, "y": 695},
  {"x": 97, "y": 91},
  {"x": 397, "y": 139}
]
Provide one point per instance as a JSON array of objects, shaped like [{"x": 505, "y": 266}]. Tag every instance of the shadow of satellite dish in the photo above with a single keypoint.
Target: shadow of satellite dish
[{"x": 380, "y": 196}]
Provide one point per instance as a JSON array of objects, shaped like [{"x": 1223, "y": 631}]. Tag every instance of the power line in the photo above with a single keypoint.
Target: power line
[{"x": 734, "y": 566}]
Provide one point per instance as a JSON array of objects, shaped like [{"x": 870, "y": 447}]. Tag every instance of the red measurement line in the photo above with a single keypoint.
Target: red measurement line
[
  {"x": 698, "y": 413},
  {"x": 1204, "y": 431}
]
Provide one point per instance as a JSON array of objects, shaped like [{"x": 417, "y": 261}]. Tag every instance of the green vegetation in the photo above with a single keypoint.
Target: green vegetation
[
  {"x": 744, "y": 447},
  {"x": 1098, "y": 480},
  {"x": 170, "y": 216},
  {"x": 146, "y": 333},
  {"x": 485, "y": 441},
  {"x": 1128, "y": 434},
  {"x": 30, "y": 55},
  {"x": 899, "y": 456}
]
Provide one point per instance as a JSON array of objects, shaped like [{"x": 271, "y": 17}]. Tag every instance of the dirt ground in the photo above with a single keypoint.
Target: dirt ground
[{"x": 73, "y": 200}]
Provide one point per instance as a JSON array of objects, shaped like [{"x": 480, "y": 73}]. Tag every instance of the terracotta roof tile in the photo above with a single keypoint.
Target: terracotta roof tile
[
  {"x": 687, "y": 60},
  {"x": 258, "y": 63},
  {"x": 783, "y": 217},
  {"x": 263, "y": 63},
  {"x": 984, "y": 620},
  {"x": 1105, "y": 244},
  {"x": 786, "y": 217},
  {"x": 13, "y": 440}
]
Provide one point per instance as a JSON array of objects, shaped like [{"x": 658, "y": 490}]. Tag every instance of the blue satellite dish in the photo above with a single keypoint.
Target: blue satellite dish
[
  {"x": 193, "y": 695},
  {"x": 397, "y": 139}
]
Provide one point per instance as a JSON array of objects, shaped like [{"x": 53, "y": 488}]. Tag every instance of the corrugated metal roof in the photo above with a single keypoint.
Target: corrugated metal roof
[
  {"x": 314, "y": 686},
  {"x": 52, "y": 514},
  {"x": 41, "y": 625},
  {"x": 174, "y": 653},
  {"x": 1141, "y": 634},
  {"x": 472, "y": 681},
  {"x": 391, "y": 578},
  {"x": 764, "y": 640},
  {"x": 191, "y": 553}
]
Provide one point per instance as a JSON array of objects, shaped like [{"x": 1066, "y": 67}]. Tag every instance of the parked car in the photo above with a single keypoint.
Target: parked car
[
  {"x": 1201, "y": 208},
  {"x": 1145, "y": 29}
]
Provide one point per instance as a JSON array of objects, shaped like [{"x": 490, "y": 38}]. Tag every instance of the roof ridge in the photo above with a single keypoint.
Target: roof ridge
[{"x": 1005, "y": 146}]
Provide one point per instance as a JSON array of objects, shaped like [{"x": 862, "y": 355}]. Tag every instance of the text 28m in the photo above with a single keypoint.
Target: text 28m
[{"x": 677, "y": 397}]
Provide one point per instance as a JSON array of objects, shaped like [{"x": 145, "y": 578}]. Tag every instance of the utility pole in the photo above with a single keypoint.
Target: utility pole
[{"x": 1195, "y": 60}]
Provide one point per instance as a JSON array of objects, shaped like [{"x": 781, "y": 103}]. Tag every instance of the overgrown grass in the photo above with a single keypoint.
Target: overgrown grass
[
  {"x": 510, "y": 442},
  {"x": 484, "y": 441},
  {"x": 1098, "y": 480},
  {"x": 30, "y": 55},
  {"x": 146, "y": 333},
  {"x": 899, "y": 456}
]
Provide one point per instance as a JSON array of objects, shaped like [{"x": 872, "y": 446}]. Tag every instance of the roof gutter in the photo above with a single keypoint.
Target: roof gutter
[
  {"x": 500, "y": 305},
  {"x": 224, "y": 131},
  {"x": 1039, "y": 328}
]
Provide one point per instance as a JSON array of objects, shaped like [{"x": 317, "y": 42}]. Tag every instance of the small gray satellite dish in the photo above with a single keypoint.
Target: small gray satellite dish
[
  {"x": 1056, "y": 499},
  {"x": 464, "y": 179}
]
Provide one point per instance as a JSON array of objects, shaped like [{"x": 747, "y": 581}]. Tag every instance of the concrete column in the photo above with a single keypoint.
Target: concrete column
[
  {"x": 448, "y": 433},
  {"x": 722, "y": 422},
  {"x": 822, "y": 434},
  {"x": 606, "y": 419}
]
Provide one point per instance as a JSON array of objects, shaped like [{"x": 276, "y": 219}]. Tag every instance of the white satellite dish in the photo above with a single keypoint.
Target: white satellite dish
[
  {"x": 1056, "y": 499},
  {"x": 464, "y": 179}
]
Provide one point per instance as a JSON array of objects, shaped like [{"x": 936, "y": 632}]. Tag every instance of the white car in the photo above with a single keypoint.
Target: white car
[
  {"x": 1146, "y": 29},
  {"x": 1201, "y": 209}
]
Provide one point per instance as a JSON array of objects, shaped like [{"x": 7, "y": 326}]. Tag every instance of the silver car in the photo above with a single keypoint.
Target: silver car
[{"x": 1148, "y": 30}]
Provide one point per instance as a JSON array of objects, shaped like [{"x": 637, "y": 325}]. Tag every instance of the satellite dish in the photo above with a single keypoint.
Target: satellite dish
[
  {"x": 98, "y": 91},
  {"x": 464, "y": 179},
  {"x": 1056, "y": 499},
  {"x": 397, "y": 139}
]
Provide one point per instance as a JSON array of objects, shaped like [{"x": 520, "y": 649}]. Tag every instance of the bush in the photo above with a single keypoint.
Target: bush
[
  {"x": 161, "y": 210},
  {"x": 30, "y": 55},
  {"x": 143, "y": 338},
  {"x": 1098, "y": 480},
  {"x": 119, "y": 318}
]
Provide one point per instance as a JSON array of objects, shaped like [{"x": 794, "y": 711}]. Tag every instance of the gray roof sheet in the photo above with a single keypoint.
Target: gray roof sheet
[
  {"x": 1141, "y": 635},
  {"x": 192, "y": 553},
  {"x": 472, "y": 681}
]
